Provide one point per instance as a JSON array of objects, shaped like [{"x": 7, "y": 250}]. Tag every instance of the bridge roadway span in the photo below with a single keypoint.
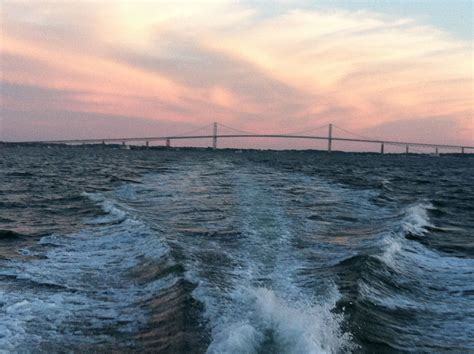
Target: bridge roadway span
[{"x": 285, "y": 136}]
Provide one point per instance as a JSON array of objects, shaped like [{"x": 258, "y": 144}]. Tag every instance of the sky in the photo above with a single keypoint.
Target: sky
[{"x": 400, "y": 70}]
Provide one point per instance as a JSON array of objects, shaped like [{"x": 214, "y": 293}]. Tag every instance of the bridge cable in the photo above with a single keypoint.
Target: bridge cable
[
  {"x": 308, "y": 130},
  {"x": 355, "y": 134},
  {"x": 238, "y": 130},
  {"x": 193, "y": 131}
]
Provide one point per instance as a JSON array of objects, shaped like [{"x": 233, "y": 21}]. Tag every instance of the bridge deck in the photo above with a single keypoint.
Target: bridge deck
[{"x": 220, "y": 136}]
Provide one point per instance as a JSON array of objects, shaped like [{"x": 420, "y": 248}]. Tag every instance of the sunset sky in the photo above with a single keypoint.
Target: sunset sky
[{"x": 399, "y": 70}]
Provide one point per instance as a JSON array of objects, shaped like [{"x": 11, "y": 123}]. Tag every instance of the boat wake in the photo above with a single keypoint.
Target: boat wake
[{"x": 78, "y": 293}]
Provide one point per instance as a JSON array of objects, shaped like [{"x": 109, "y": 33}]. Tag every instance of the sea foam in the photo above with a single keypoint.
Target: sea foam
[
  {"x": 259, "y": 319},
  {"x": 416, "y": 219},
  {"x": 79, "y": 290}
]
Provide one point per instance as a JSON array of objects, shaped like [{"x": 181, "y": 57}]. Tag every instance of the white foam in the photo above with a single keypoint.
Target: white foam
[
  {"x": 237, "y": 337},
  {"x": 431, "y": 285},
  {"x": 393, "y": 247},
  {"x": 415, "y": 221},
  {"x": 255, "y": 297},
  {"x": 127, "y": 192},
  {"x": 416, "y": 218},
  {"x": 115, "y": 213},
  {"x": 88, "y": 270},
  {"x": 258, "y": 313},
  {"x": 96, "y": 197},
  {"x": 260, "y": 304}
]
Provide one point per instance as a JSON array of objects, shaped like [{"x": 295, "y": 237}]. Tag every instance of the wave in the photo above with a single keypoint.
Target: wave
[
  {"x": 416, "y": 220},
  {"x": 10, "y": 235},
  {"x": 419, "y": 287},
  {"x": 412, "y": 283},
  {"x": 87, "y": 298},
  {"x": 114, "y": 213},
  {"x": 260, "y": 320},
  {"x": 123, "y": 179},
  {"x": 253, "y": 297}
]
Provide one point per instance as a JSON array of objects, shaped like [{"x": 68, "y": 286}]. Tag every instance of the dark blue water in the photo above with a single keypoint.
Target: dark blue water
[{"x": 224, "y": 252}]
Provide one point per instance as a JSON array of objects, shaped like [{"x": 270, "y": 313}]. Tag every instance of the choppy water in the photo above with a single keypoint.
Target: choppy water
[{"x": 218, "y": 252}]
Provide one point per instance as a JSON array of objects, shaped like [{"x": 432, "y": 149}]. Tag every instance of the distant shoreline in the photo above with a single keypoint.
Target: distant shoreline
[{"x": 4, "y": 144}]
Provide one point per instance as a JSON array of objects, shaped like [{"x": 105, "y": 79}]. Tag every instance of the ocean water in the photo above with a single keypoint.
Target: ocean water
[{"x": 221, "y": 252}]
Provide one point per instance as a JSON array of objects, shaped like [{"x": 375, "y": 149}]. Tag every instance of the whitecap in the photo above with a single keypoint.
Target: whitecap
[
  {"x": 115, "y": 214},
  {"x": 85, "y": 290},
  {"x": 416, "y": 219},
  {"x": 257, "y": 315}
]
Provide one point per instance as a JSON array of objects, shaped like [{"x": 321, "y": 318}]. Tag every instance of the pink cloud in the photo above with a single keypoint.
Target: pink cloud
[{"x": 290, "y": 71}]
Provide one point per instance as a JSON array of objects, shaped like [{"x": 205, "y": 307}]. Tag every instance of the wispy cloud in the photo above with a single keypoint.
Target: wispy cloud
[{"x": 192, "y": 63}]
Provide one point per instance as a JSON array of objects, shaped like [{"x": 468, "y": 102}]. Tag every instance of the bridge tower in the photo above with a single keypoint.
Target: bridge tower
[
  {"x": 382, "y": 148},
  {"x": 214, "y": 136},
  {"x": 168, "y": 142},
  {"x": 330, "y": 138}
]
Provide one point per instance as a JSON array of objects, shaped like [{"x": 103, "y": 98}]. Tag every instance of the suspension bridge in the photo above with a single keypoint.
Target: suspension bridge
[{"x": 214, "y": 135}]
